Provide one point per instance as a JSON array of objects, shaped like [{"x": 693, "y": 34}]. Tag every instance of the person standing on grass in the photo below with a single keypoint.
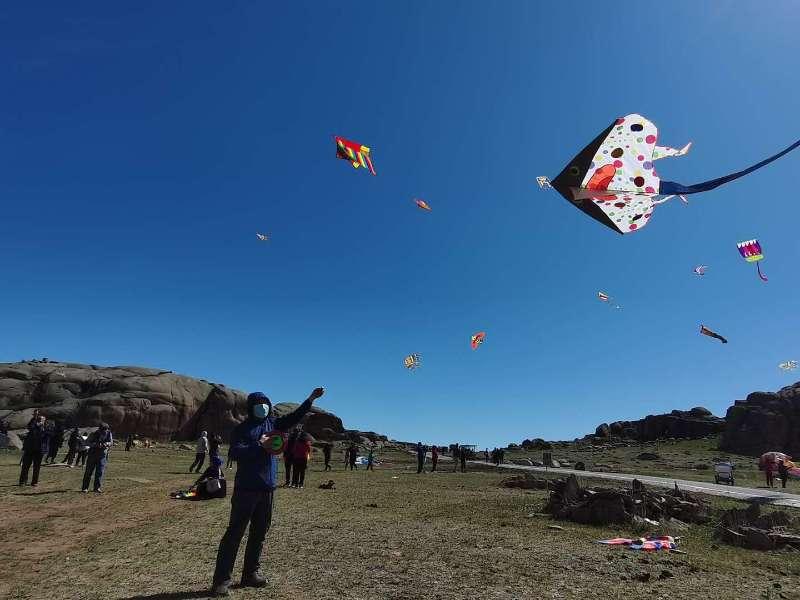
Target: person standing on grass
[
  {"x": 463, "y": 457},
  {"x": 353, "y": 456},
  {"x": 56, "y": 441},
  {"x": 200, "y": 452},
  {"x": 420, "y": 458},
  {"x": 371, "y": 457},
  {"x": 456, "y": 454},
  {"x": 326, "y": 454},
  {"x": 288, "y": 455},
  {"x": 486, "y": 455},
  {"x": 99, "y": 443},
  {"x": 34, "y": 448},
  {"x": 769, "y": 471},
  {"x": 783, "y": 473},
  {"x": 301, "y": 453},
  {"x": 254, "y": 486},
  {"x": 213, "y": 446},
  {"x": 129, "y": 443},
  {"x": 434, "y": 457},
  {"x": 72, "y": 447},
  {"x": 83, "y": 450}
]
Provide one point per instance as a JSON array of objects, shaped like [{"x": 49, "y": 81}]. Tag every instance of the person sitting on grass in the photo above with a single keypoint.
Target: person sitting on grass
[
  {"x": 254, "y": 486},
  {"x": 210, "y": 485}
]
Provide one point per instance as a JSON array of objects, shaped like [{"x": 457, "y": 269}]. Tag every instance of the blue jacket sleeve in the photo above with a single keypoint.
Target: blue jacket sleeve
[
  {"x": 286, "y": 422},
  {"x": 243, "y": 448}
]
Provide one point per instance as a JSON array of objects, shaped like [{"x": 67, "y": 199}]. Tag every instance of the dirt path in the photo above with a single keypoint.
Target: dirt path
[{"x": 762, "y": 496}]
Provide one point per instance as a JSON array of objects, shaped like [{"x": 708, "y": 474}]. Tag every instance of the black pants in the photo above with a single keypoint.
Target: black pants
[
  {"x": 352, "y": 465},
  {"x": 253, "y": 508},
  {"x": 783, "y": 480},
  {"x": 420, "y": 464},
  {"x": 30, "y": 458},
  {"x": 70, "y": 456},
  {"x": 287, "y": 467},
  {"x": 81, "y": 460},
  {"x": 328, "y": 463},
  {"x": 299, "y": 472},
  {"x": 463, "y": 465},
  {"x": 52, "y": 453},
  {"x": 199, "y": 459},
  {"x": 369, "y": 466},
  {"x": 434, "y": 462}
]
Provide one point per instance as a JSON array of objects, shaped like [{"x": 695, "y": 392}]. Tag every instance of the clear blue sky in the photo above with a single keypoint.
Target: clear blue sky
[{"x": 144, "y": 144}]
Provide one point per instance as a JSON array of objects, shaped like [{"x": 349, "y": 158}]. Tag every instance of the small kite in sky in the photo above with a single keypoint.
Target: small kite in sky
[
  {"x": 262, "y": 237},
  {"x": 357, "y": 154},
  {"x": 751, "y": 252},
  {"x": 789, "y": 365},
  {"x": 613, "y": 179},
  {"x": 700, "y": 270},
  {"x": 422, "y": 204},
  {"x": 706, "y": 331},
  {"x": 412, "y": 361},
  {"x": 603, "y": 297},
  {"x": 477, "y": 340}
]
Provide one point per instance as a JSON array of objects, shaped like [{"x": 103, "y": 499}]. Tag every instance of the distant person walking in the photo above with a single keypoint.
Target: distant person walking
[
  {"x": 486, "y": 455},
  {"x": 256, "y": 480},
  {"x": 371, "y": 458},
  {"x": 200, "y": 452},
  {"x": 72, "y": 447},
  {"x": 129, "y": 443},
  {"x": 83, "y": 450},
  {"x": 353, "y": 457},
  {"x": 213, "y": 446},
  {"x": 420, "y": 458},
  {"x": 434, "y": 458},
  {"x": 288, "y": 456},
  {"x": 326, "y": 454},
  {"x": 34, "y": 448},
  {"x": 99, "y": 443},
  {"x": 301, "y": 453},
  {"x": 783, "y": 473},
  {"x": 56, "y": 441}
]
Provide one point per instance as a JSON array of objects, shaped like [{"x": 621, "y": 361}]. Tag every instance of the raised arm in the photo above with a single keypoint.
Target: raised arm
[{"x": 286, "y": 422}]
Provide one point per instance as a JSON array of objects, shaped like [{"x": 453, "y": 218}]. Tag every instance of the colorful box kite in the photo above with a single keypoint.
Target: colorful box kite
[{"x": 357, "y": 154}]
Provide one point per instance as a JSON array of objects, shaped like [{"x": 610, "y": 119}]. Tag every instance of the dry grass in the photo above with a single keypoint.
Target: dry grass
[{"x": 442, "y": 536}]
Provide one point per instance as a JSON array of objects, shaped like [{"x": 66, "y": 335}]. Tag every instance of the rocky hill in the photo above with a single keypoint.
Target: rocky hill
[
  {"x": 764, "y": 421},
  {"x": 695, "y": 423},
  {"x": 153, "y": 403}
]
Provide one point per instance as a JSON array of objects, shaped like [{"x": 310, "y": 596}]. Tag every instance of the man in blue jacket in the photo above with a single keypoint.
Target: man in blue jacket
[{"x": 256, "y": 479}]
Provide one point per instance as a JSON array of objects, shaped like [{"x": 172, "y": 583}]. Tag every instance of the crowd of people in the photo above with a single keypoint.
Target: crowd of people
[{"x": 45, "y": 438}]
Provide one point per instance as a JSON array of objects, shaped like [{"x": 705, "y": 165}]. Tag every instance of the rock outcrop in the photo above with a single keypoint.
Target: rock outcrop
[
  {"x": 763, "y": 422},
  {"x": 691, "y": 424},
  {"x": 152, "y": 403}
]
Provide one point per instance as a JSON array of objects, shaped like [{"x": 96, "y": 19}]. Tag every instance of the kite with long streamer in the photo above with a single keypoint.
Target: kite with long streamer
[
  {"x": 751, "y": 252},
  {"x": 412, "y": 362},
  {"x": 706, "y": 331},
  {"x": 613, "y": 179},
  {"x": 356, "y": 153}
]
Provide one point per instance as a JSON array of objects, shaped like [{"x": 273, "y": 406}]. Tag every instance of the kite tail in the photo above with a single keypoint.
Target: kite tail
[
  {"x": 670, "y": 187},
  {"x": 760, "y": 274}
]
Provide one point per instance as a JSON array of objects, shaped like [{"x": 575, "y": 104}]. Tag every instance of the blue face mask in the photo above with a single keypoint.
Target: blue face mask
[{"x": 260, "y": 411}]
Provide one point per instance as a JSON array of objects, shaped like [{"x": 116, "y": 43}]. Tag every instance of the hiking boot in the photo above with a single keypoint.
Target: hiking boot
[
  {"x": 221, "y": 589},
  {"x": 256, "y": 580}
]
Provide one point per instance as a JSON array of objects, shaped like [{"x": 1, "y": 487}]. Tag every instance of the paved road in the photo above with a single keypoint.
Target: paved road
[{"x": 765, "y": 496}]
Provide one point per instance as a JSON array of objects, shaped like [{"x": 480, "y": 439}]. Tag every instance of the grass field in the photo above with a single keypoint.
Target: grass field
[
  {"x": 385, "y": 534},
  {"x": 681, "y": 459}
]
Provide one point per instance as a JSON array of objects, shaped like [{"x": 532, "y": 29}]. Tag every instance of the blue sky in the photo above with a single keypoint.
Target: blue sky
[{"x": 143, "y": 145}]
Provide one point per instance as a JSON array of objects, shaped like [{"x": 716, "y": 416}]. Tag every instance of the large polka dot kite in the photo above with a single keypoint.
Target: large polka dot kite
[{"x": 613, "y": 179}]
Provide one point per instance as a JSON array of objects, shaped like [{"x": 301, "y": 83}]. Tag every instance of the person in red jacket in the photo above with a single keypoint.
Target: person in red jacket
[{"x": 301, "y": 453}]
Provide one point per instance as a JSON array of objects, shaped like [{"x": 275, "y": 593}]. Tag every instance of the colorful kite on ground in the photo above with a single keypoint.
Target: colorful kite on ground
[
  {"x": 789, "y": 365},
  {"x": 613, "y": 179},
  {"x": 357, "y": 154},
  {"x": 422, "y": 204},
  {"x": 706, "y": 331},
  {"x": 700, "y": 270},
  {"x": 751, "y": 252},
  {"x": 648, "y": 544},
  {"x": 477, "y": 340},
  {"x": 262, "y": 237},
  {"x": 412, "y": 361},
  {"x": 603, "y": 297}
]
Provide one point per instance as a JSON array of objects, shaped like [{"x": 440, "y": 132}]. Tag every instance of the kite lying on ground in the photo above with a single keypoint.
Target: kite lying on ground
[
  {"x": 422, "y": 204},
  {"x": 412, "y": 361},
  {"x": 705, "y": 331},
  {"x": 789, "y": 365},
  {"x": 700, "y": 270},
  {"x": 613, "y": 179},
  {"x": 603, "y": 297},
  {"x": 648, "y": 544},
  {"x": 357, "y": 154},
  {"x": 751, "y": 252},
  {"x": 477, "y": 340}
]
